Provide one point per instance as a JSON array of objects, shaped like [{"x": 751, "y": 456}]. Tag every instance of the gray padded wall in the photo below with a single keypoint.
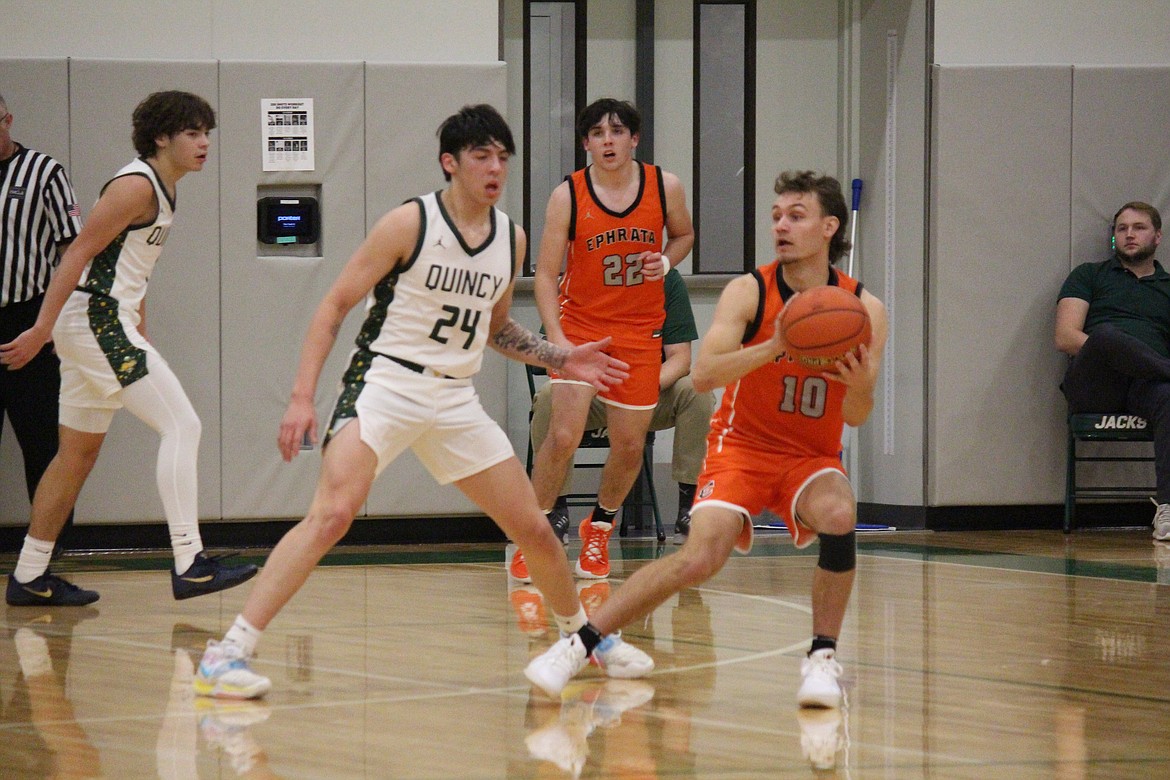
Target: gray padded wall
[
  {"x": 268, "y": 301},
  {"x": 999, "y": 250},
  {"x": 37, "y": 92},
  {"x": 405, "y": 104},
  {"x": 261, "y": 304},
  {"x": 1120, "y": 121},
  {"x": 182, "y": 304},
  {"x": 890, "y": 260}
]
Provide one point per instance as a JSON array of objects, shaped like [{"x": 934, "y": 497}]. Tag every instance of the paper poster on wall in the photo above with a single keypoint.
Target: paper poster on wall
[{"x": 287, "y": 134}]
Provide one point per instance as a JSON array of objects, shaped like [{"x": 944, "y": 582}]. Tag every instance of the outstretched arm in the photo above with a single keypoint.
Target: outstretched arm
[{"x": 585, "y": 363}]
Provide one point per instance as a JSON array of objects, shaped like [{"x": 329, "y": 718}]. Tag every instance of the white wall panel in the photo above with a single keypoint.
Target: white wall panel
[
  {"x": 1120, "y": 117},
  {"x": 269, "y": 300},
  {"x": 999, "y": 252}
]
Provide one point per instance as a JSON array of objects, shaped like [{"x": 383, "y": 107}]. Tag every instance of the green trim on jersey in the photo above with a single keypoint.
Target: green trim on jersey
[
  {"x": 352, "y": 384},
  {"x": 383, "y": 297},
  {"x": 103, "y": 267},
  {"x": 127, "y": 361}
]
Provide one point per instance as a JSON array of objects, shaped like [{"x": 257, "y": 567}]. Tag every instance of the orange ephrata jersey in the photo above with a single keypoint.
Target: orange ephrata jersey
[
  {"x": 603, "y": 291},
  {"x": 783, "y": 406}
]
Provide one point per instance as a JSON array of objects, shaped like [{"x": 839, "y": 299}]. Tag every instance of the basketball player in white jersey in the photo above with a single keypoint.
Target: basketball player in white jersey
[
  {"x": 94, "y": 311},
  {"x": 437, "y": 272}
]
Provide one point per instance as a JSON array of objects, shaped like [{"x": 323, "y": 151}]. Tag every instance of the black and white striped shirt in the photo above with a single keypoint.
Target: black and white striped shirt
[{"x": 38, "y": 211}]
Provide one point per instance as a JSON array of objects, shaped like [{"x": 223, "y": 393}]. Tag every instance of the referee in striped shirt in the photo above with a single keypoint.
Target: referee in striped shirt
[{"x": 38, "y": 219}]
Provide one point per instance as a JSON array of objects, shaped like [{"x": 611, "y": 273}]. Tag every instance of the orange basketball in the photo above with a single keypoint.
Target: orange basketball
[{"x": 822, "y": 324}]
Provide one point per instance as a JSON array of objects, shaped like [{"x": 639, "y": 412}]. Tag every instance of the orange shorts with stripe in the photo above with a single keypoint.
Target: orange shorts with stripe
[
  {"x": 751, "y": 481},
  {"x": 640, "y": 389}
]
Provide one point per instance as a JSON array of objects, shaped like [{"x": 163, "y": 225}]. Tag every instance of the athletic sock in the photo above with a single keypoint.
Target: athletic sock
[
  {"x": 590, "y": 637},
  {"x": 244, "y": 635},
  {"x": 34, "y": 559},
  {"x": 186, "y": 544},
  {"x": 603, "y": 515},
  {"x": 823, "y": 643},
  {"x": 573, "y": 624}
]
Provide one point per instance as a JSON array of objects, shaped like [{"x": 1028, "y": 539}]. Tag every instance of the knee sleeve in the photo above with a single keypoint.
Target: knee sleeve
[{"x": 838, "y": 552}]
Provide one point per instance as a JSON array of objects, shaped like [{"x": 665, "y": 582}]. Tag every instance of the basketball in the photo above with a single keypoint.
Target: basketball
[{"x": 822, "y": 324}]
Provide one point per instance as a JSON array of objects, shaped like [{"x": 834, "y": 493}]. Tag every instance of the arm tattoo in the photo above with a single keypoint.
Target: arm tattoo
[{"x": 516, "y": 340}]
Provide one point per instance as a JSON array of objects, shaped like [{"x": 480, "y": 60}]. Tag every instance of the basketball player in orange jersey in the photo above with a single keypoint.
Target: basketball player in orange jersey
[
  {"x": 605, "y": 226},
  {"x": 775, "y": 441}
]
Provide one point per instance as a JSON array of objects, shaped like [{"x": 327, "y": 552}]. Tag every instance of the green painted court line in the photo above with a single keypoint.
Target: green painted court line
[{"x": 766, "y": 546}]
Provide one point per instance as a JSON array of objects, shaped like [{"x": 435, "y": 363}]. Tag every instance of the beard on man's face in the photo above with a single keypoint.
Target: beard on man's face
[{"x": 1139, "y": 255}]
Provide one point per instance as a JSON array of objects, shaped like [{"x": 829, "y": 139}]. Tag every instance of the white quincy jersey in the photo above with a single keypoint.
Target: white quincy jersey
[
  {"x": 436, "y": 310},
  {"x": 121, "y": 270}
]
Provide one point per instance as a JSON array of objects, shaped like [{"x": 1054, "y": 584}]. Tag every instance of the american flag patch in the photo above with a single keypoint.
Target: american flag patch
[{"x": 74, "y": 211}]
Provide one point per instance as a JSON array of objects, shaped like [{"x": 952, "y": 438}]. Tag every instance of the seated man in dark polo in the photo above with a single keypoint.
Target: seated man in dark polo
[{"x": 1113, "y": 318}]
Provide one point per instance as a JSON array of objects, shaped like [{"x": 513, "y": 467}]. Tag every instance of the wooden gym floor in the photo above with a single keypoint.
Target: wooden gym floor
[{"x": 966, "y": 655}]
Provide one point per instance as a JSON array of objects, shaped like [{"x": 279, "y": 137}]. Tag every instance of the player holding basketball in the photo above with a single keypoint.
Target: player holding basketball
[
  {"x": 775, "y": 441},
  {"x": 438, "y": 271},
  {"x": 605, "y": 225}
]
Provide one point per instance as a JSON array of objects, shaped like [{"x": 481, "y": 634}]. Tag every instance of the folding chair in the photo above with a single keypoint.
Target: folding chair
[
  {"x": 1103, "y": 428},
  {"x": 638, "y": 498}
]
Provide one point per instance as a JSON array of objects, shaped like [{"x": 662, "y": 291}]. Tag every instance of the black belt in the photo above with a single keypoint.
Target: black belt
[{"x": 416, "y": 367}]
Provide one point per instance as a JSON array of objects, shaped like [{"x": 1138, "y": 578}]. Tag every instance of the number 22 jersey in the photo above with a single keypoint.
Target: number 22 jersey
[{"x": 603, "y": 292}]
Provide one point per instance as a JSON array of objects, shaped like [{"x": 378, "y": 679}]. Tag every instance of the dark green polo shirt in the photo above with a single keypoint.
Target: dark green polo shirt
[
  {"x": 1139, "y": 307},
  {"x": 679, "y": 326}
]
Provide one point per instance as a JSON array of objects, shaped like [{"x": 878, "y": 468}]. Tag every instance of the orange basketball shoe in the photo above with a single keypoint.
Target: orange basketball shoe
[
  {"x": 516, "y": 565},
  {"x": 593, "y": 563}
]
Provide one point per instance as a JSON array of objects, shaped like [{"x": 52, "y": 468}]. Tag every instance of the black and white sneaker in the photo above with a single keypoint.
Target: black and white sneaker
[
  {"x": 208, "y": 575},
  {"x": 47, "y": 590}
]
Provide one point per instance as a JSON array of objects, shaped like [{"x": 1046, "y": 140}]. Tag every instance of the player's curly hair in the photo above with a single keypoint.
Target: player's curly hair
[
  {"x": 168, "y": 113},
  {"x": 832, "y": 200}
]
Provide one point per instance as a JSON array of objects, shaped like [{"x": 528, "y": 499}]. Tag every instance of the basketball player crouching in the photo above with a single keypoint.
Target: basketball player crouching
[
  {"x": 783, "y": 452},
  {"x": 409, "y": 384}
]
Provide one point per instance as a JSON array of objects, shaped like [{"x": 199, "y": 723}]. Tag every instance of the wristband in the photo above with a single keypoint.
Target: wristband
[{"x": 666, "y": 266}]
